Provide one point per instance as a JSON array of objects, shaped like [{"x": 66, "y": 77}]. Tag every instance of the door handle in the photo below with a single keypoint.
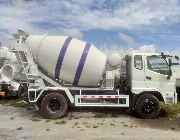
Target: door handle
[{"x": 148, "y": 78}]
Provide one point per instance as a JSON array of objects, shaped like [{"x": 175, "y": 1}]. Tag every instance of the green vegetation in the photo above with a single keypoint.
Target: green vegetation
[
  {"x": 19, "y": 128},
  {"x": 170, "y": 109},
  {"x": 112, "y": 124},
  {"x": 125, "y": 125},
  {"x": 60, "y": 122},
  {"x": 76, "y": 123},
  {"x": 48, "y": 120},
  {"x": 99, "y": 115},
  {"x": 12, "y": 118},
  {"x": 95, "y": 126},
  {"x": 15, "y": 103},
  {"x": 131, "y": 126},
  {"x": 36, "y": 120},
  {"x": 69, "y": 118},
  {"x": 102, "y": 123}
]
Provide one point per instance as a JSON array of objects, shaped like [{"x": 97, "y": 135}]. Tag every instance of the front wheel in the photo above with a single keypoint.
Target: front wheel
[
  {"x": 54, "y": 105},
  {"x": 147, "y": 106}
]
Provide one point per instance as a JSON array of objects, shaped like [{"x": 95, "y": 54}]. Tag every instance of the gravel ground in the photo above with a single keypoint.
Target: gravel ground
[{"x": 17, "y": 123}]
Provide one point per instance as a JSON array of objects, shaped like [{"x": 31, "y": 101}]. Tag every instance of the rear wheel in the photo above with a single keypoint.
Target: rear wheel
[
  {"x": 54, "y": 105},
  {"x": 147, "y": 106}
]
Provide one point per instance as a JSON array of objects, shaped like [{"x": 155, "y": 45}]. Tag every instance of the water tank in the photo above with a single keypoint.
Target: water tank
[
  {"x": 68, "y": 59},
  {"x": 114, "y": 60}
]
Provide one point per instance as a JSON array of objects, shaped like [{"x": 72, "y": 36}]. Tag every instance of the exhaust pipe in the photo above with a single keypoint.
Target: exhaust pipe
[{"x": 10, "y": 72}]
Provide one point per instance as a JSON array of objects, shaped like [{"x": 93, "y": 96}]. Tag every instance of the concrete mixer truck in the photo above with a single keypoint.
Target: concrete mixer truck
[
  {"x": 62, "y": 71},
  {"x": 10, "y": 88}
]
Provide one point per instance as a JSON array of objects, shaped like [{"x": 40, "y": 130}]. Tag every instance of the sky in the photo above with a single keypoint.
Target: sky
[{"x": 150, "y": 25}]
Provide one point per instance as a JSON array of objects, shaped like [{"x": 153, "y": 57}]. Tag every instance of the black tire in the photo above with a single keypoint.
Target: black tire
[
  {"x": 147, "y": 106},
  {"x": 54, "y": 105}
]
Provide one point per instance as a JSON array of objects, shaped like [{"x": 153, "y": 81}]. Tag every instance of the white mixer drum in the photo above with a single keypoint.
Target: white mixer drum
[{"x": 68, "y": 59}]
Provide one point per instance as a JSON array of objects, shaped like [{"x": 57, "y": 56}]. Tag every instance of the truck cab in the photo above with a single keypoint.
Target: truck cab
[{"x": 150, "y": 75}]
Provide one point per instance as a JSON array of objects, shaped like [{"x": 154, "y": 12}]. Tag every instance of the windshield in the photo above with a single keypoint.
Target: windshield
[{"x": 157, "y": 64}]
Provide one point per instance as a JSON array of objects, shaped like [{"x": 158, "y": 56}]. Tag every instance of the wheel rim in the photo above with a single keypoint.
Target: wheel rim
[
  {"x": 148, "y": 106},
  {"x": 54, "y": 105}
]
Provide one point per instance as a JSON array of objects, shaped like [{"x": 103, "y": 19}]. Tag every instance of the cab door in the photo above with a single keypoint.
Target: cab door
[
  {"x": 156, "y": 75},
  {"x": 138, "y": 74}
]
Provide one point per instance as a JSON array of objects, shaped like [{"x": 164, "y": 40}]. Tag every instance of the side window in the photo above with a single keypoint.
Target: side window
[
  {"x": 138, "y": 62},
  {"x": 157, "y": 64}
]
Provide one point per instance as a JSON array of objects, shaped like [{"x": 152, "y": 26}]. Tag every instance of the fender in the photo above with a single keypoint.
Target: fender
[
  {"x": 66, "y": 91},
  {"x": 155, "y": 91}
]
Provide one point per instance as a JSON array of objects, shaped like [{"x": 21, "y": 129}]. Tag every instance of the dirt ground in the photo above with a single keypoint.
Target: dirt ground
[{"x": 17, "y": 123}]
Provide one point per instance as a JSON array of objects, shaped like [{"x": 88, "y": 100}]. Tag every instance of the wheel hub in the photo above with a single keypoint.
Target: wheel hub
[
  {"x": 54, "y": 105},
  {"x": 148, "y": 106}
]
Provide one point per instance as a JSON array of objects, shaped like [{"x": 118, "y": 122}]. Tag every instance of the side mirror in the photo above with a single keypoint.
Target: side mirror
[
  {"x": 170, "y": 62},
  {"x": 170, "y": 71},
  {"x": 176, "y": 57},
  {"x": 163, "y": 56}
]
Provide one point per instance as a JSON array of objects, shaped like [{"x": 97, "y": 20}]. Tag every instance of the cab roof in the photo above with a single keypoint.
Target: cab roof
[{"x": 145, "y": 54}]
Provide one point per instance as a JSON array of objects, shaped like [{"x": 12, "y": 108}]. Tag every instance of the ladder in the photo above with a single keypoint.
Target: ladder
[
  {"x": 30, "y": 70},
  {"x": 35, "y": 78}
]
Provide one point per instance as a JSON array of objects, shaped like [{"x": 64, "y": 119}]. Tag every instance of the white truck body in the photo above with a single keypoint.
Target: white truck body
[
  {"x": 176, "y": 69},
  {"x": 147, "y": 80}
]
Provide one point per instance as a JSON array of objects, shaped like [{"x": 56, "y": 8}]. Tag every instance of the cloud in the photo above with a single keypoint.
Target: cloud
[
  {"x": 113, "y": 49},
  {"x": 126, "y": 38},
  {"x": 73, "y": 33},
  {"x": 46, "y": 16},
  {"x": 143, "y": 49},
  {"x": 147, "y": 49},
  {"x": 4, "y": 38},
  {"x": 175, "y": 52},
  {"x": 123, "y": 51}
]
